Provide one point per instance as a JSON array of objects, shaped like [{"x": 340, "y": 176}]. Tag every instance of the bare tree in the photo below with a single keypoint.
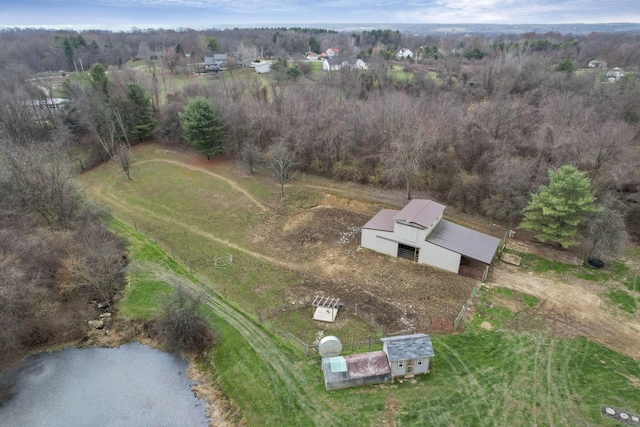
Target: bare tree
[
  {"x": 282, "y": 161},
  {"x": 41, "y": 177}
]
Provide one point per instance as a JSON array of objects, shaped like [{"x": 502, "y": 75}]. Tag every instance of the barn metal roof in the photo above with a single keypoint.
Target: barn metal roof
[
  {"x": 463, "y": 240},
  {"x": 405, "y": 347},
  {"x": 420, "y": 211},
  {"x": 382, "y": 221}
]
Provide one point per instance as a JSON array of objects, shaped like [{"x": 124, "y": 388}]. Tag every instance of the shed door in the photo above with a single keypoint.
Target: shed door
[{"x": 409, "y": 367}]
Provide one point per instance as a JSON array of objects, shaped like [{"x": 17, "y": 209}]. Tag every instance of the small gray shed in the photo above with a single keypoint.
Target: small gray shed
[{"x": 408, "y": 355}]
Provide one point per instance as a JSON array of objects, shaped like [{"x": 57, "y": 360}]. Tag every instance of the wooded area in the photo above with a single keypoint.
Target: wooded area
[{"x": 477, "y": 122}]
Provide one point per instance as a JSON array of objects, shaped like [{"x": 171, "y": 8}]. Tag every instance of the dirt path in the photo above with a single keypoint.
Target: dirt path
[
  {"x": 232, "y": 183},
  {"x": 574, "y": 309},
  {"x": 112, "y": 201}
]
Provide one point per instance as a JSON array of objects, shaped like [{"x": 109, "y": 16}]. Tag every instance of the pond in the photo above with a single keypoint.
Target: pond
[{"x": 133, "y": 385}]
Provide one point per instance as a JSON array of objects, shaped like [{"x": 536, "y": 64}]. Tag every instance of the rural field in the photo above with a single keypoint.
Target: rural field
[{"x": 562, "y": 344}]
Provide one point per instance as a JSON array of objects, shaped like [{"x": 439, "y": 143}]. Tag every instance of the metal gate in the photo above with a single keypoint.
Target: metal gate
[{"x": 408, "y": 252}]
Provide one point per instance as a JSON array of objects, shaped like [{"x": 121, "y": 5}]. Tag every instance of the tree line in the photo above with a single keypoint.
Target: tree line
[{"x": 481, "y": 133}]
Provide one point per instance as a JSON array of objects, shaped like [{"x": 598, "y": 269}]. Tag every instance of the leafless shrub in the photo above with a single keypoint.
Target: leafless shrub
[{"x": 182, "y": 328}]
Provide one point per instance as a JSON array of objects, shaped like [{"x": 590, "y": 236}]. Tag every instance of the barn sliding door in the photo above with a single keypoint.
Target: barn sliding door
[{"x": 408, "y": 252}]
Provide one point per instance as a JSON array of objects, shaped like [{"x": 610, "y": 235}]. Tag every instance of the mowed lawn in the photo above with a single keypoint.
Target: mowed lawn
[
  {"x": 195, "y": 217},
  {"x": 480, "y": 378}
]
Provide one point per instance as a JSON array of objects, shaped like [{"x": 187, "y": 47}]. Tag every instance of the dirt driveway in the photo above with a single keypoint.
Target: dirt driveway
[{"x": 573, "y": 308}]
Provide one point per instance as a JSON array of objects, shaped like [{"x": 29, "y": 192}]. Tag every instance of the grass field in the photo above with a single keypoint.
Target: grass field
[{"x": 178, "y": 218}]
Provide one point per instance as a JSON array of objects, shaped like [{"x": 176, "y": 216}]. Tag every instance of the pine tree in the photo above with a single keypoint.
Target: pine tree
[
  {"x": 140, "y": 115},
  {"x": 558, "y": 210},
  {"x": 203, "y": 127}
]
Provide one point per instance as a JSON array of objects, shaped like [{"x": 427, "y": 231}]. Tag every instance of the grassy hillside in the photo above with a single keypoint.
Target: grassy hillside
[{"x": 178, "y": 219}]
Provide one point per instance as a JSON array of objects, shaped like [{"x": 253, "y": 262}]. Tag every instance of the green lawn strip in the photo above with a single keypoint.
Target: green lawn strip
[
  {"x": 262, "y": 397},
  {"x": 612, "y": 271},
  {"x": 623, "y": 300},
  {"x": 489, "y": 378},
  {"x": 354, "y": 334},
  {"x": 244, "y": 373},
  {"x": 253, "y": 283},
  {"x": 633, "y": 283}
]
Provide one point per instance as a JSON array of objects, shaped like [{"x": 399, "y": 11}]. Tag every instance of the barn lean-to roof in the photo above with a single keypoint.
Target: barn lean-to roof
[{"x": 463, "y": 240}]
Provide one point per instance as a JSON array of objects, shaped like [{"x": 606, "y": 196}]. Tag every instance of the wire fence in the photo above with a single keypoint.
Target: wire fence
[{"x": 267, "y": 315}]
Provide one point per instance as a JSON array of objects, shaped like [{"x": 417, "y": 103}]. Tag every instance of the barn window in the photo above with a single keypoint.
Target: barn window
[
  {"x": 419, "y": 362},
  {"x": 401, "y": 364}
]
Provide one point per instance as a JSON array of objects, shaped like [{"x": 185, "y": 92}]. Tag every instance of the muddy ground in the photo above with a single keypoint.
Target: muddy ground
[{"x": 324, "y": 242}]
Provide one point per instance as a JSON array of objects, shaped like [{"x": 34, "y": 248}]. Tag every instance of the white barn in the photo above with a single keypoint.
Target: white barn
[
  {"x": 418, "y": 233},
  {"x": 408, "y": 355}
]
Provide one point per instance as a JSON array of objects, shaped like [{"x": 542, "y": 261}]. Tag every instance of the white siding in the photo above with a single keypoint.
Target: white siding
[
  {"x": 421, "y": 368},
  {"x": 406, "y": 234},
  {"x": 398, "y": 368},
  {"x": 439, "y": 257},
  {"x": 371, "y": 240}
]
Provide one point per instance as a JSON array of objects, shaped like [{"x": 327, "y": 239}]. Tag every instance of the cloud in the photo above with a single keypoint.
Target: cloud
[{"x": 195, "y": 13}]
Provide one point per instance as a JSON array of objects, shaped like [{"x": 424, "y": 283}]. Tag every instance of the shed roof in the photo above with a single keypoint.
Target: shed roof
[
  {"x": 367, "y": 364},
  {"x": 405, "y": 347},
  {"x": 382, "y": 221},
  {"x": 463, "y": 240},
  {"x": 356, "y": 365},
  {"x": 420, "y": 211}
]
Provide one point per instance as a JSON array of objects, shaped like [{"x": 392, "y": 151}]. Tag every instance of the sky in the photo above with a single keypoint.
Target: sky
[{"x": 201, "y": 14}]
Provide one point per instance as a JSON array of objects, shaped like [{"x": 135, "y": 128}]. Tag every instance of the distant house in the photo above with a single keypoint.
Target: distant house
[
  {"x": 408, "y": 355},
  {"x": 262, "y": 67},
  {"x": 596, "y": 63},
  {"x": 329, "y": 53},
  {"x": 404, "y": 54},
  {"x": 615, "y": 74},
  {"x": 215, "y": 63},
  {"x": 355, "y": 370},
  {"x": 418, "y": 233},
  {"x": 311, "y": 56},
  {"x": 339, "y": 62}
]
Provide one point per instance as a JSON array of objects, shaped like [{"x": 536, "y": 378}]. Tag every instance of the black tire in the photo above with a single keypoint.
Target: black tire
[{"x": 595, "y": 263}]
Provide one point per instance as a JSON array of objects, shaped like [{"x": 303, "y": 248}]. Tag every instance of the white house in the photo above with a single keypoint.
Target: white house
[
  {"x": 404, "y": 54},
  {"x": 339, "y": 62},
  {"x": 418, "y": 233},
  {"x": 596, "y": 63},
  {"x": 408, "y": 355},
  {"x": 262, "y": 67}
]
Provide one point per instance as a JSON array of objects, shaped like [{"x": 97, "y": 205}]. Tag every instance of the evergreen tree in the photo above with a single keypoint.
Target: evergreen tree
[
  {"x": 203, "y": 127},
  {"x": 141, "y": 121},
  {"x": 558, "y": 210}
]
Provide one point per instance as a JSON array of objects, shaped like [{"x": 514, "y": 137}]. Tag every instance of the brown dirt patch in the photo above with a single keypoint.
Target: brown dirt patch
[
  {"x": 573, "y": 307},
  {"x": 324, "y": 242}
]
